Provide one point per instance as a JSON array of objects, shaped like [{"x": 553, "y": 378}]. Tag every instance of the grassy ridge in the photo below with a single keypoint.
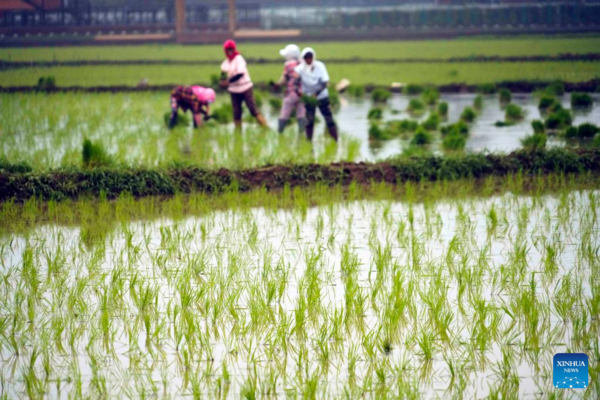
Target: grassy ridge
[
  {"x": 510, "y": 46},
  {"x": 383, "y": 74},
  {"x": 72, "y": 183}
]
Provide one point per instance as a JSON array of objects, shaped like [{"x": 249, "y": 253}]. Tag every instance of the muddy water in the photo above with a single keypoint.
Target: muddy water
[
  {"x": 484, "y": 136},
  {"x": 262, "y": 242}
]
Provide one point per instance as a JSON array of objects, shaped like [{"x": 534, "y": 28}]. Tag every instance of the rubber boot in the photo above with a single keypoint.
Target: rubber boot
[
  {"x": 261, "y": 120},
  {"x": 301, "y": 124},
  {"x": 333, "y": 132},
  {"x": 309, "y": 132},
  {"x": 281, "y": 125}
]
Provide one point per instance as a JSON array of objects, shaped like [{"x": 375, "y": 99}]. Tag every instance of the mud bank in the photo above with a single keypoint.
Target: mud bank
[{"x": 21, "y": 183}]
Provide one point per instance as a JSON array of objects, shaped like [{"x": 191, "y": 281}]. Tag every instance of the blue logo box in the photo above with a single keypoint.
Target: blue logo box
[{"x": 570, "y": 371}]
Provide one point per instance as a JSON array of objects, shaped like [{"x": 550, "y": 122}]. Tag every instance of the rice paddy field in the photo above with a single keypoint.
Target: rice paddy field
[
  {"x": 395, "y": 293},
  {"x": 424, "y": 288},
  {"x": 47, "y": 131}
]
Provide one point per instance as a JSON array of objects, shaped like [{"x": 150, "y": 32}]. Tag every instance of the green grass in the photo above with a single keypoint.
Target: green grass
[
  {"x": 374, "y": 73},
  {"x": 466, "y": 47}
]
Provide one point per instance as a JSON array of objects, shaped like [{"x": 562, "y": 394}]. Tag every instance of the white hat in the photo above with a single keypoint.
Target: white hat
[{"x": 290, "y": 52}]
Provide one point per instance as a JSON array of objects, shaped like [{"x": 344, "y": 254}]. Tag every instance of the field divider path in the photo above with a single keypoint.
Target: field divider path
[
  {"x": 7, "y": 64},
  {"x": 20, "y": 183}
]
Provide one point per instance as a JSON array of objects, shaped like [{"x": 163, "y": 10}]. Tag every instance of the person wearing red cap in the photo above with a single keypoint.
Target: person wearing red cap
[{"x": 236, "y": 79}]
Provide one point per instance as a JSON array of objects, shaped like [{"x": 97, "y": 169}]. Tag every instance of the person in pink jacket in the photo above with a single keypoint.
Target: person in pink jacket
[
  {"x": 236, "y": 79},
  {"x": 194, "y": 98}
]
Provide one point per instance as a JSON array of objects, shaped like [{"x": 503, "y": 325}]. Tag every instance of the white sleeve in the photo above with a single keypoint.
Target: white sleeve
[{"x": 224, "y": 67}]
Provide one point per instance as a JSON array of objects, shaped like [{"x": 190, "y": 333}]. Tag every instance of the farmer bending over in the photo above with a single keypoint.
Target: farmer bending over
[
  {"x": 236, "y": 79},
  {"x": 292, "y": 99},
  {"x": 194, "y": 98},
  {"x": 314, "y": 78}
]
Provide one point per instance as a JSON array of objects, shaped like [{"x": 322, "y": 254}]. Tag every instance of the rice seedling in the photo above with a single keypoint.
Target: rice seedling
[
  {"x": 559, "y": 120},
  {"x": 375, "y": 113},
  {"x": 356, "y": 90},
  {"x": 442, "y": 109},
  {"x": 478, "y": 103},
  {"x": 454, "y": 141},
  {"x": 415, "y": 107},
  {"x": 504, "y": 95},
  {"x": 535, "y": 141},
  {"x": 432, "y": 122},
  {"x": 421, "y": 137},
  {"x": 581, "y": 100},
  {"x": 275, "y": 103},
  {"x": 468, "y": 115},
  {"x": 513, "y": 113},
  {"x": 380, "y": 95},
  {"x": 538, "y": 126},
  {"x": 430, "y": 96}
]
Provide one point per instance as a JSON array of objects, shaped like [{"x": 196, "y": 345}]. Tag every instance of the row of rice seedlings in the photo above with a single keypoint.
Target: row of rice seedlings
[
  {"x": 122, "y": 131},
  {"x": 376, "y": 297}
]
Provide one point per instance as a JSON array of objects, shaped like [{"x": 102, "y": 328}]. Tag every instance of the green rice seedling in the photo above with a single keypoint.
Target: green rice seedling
[
  {"x": 454, "y": 141},
  {"x": 504, "y": 95},
  {"x": 587, "y": 130},
  {"x": 538, "y": 126},
  {"x": 222, "y": 114},
  {"x": 356, "y": 90},
  {"x": 275, "y": 103},
  {"x": 559, "y": 120},
  {"x": 432, "y": 122},
  {"x": 412, "y": 89},
  {"x": 430, "y": 96},
  {"x": 442, "y": 109},
  {"x": 535, "y": 141},
  {"x": 478, "y": 103},
  {"x": 94, "y": 155},
  {"x": 459, "y": 127},
  {"x": 421, "y": 137},
  {"x": 375, "y": 113},
  {"x": 182, "y": 119},
  {"x": 513, "y": 113},
  {"x": 487, "y": 88},
  {"x": 398, "y": 127},
  {"x": 596, "y": 141},
  {"x": 377, "y": 133},
  {"x": 556, "y": 88},
  {"x": 581, "y": 100},
  {"x": 468, "y": 115},
  {"x": 416, "y": 107},
  {"x": 380, "y": 95},
  {"x": 546, "y": 102}
]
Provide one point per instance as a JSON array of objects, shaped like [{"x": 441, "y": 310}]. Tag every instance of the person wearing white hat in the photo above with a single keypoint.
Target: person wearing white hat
[{"x": 292, "y": 99}]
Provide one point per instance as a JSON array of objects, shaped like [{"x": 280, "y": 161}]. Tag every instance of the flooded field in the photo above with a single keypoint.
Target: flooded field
[
  {"x": 465, "y": 297},
  {"x": 48, "y": 131}
]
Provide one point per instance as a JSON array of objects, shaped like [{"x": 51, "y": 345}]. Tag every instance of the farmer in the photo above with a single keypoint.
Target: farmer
[
  {"x": 194, "y": 98},
  {"x": 236, "y": 79},
  {"x": 292, "y": 98},
  {"x": 314, "y": 78}
]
